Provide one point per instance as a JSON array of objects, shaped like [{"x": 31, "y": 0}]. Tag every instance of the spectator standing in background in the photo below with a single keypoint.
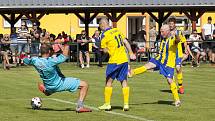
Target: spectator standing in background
[
  {"x": 96, "y": 47},
  {"x": 207, "y": 32},
  {"x": 22, "y": 39},
  {"x": 152, "y": 39},
  {"x": 13, "y": 45},
  {"x": 141, "y": 35},
  {"x": 186, "y": 31},
  {"x": 152, "y": 36},
  {"x": 35, "y": 39},
  {"x": 83, "y": 41}
]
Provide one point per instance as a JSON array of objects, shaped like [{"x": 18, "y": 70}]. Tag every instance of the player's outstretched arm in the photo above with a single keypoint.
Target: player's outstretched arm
[
  {"x": 61, "y": 58},
  {"x": 65, "y": 50},
  {"x": 128, "y": 47},
  {"x": 27, "y": 61}
]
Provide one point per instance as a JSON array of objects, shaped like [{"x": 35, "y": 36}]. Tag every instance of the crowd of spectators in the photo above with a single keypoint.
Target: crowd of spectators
[{"x": 25, "y": 42}]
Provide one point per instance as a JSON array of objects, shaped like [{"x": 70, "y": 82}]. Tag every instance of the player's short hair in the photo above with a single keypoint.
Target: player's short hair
[
  {"x": 104, "y": 20},
  {"x": 165, "y": 27},
  {"x": 172, "y": 19},
  {"x": 45, "y": 49}
]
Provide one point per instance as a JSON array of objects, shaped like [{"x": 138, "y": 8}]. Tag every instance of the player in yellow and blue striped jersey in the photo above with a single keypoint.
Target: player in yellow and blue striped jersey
[
  {"x": 179, "y": 53},
  {"x": 165, "y": 61}
]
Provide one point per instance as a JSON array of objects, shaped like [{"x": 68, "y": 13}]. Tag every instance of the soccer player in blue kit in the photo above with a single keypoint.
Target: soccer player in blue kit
[{"x": 53, "y": 79}]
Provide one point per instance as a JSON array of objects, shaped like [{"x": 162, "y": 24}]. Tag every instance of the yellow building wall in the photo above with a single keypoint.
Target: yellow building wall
[
  {"x": 56, "y": 23},
  {"x": 2, "y": 29},
  {"x": 122, "y": 25}
]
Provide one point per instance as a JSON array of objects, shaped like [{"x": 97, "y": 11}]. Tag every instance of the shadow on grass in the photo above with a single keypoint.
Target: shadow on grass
[
  {"x": 162, "y": 102},
  {"x": 116, "y": 107},
  {"x": 51, "y": 109},
  {"x": 168, "y": 91}
]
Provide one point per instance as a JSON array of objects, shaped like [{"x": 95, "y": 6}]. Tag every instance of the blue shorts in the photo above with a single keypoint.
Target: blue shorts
[
  {"x": 68, "y": 84},
  {"x": 168, "y": 72},
  {"x": 119, "y": 72},
  {"x": 178, "y": 61}
]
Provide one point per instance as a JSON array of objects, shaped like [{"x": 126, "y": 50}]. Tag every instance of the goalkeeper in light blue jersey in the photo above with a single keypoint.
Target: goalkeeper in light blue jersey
[{"x": 53, "y": 79}]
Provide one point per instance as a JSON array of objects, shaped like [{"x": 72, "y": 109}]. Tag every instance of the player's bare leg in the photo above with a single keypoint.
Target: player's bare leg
[
  {"x": 107, "y": 95},
  {"x": 82, "y": 94},
  {"x": 81, "y": 59},
  {"x": 173, "y": 88},
  {"x": 129, "y": 71},
  {"x": 125, "y": 91}
]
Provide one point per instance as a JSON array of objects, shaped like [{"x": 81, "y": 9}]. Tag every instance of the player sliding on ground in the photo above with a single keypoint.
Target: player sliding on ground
[
  {"x": 53, "y": 79},
  {"x": 165, "y": 61},
  {"x": 114, "y": 43}
]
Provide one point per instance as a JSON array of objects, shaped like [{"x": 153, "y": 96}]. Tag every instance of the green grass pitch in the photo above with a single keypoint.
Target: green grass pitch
[{"x": 150, "y": 98}]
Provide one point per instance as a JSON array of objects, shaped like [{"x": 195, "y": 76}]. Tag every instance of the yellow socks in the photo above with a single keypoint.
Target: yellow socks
[
  {"x": 108, "y": 94},
  {"x": 180, "y": 79},
  {"x": 125, "y": 91},
  {"x": 139, "y": 70},
  {"x": 173, "y": 88}
]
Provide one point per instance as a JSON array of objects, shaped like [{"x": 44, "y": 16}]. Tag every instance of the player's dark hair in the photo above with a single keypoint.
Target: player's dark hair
[
  {"x": 45, "y": 49},
  {"x": 172, "y": 20}
]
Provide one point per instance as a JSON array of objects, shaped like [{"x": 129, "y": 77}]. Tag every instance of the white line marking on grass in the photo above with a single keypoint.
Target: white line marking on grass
[
  {"x": 96, "y": 109},
  {"x": 15, "y": 99}
]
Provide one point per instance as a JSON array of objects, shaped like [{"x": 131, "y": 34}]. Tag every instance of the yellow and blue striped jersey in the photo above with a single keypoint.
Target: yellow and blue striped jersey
[
  {"x": 167, "y": 52},
  {"x": 112, "y": 39},
  {"x": 182, "y": 40}
]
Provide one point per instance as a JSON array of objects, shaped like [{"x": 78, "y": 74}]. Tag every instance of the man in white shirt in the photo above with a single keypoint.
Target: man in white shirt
[
  {"x": 195, "y": 46},
  {"x": 207, "y": 35}
]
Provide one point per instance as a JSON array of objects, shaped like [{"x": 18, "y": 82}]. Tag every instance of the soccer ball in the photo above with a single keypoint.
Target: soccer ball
[{"x": 36, "y": 103}]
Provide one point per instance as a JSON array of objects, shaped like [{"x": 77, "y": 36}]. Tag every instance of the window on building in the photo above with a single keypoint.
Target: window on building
[
  {"x": 7, "y": 24},
  {"x": 94, "y": 22},
  {"x": 18, "y": 23},
  {"x": 182, "y": 20},
  {"x": 28, "y": 22}
]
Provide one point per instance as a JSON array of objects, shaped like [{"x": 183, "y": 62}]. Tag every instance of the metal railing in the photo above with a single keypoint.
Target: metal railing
[{"x": 74, "y": 46}]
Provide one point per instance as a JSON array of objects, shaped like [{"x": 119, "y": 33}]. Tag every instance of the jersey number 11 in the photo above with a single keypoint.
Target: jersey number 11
[{"x": 119, "y": 40}]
